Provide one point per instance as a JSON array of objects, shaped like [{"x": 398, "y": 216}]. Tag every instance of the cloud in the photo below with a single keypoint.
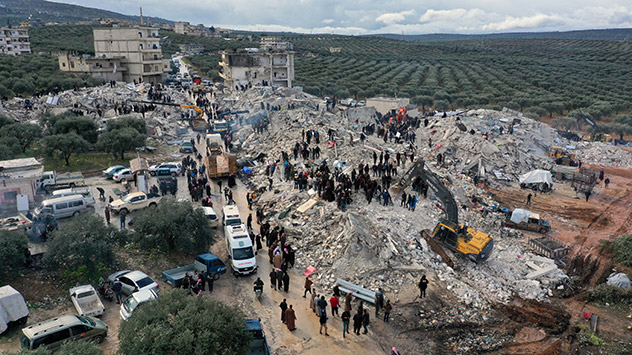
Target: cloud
[
  {"x": 394, "y": 17},
  {"x": 527, "y": 22},
  {"x": 452, "y": 16},
  {"x": 328, "y": 21}
]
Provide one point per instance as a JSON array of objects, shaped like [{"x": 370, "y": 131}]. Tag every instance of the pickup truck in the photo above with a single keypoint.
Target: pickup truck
[
  {"x": 52, "y": 180},
  {"x": 203, "y": 263},
  {"x": 259, "y": 343},
  {"x": 527, "y": 220},
  {"x": 134, "y": 201},
  {"x": 86, "y": 301}
]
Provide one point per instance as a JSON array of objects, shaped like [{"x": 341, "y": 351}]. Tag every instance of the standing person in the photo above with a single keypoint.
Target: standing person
[
  {"x": 308, "y": 287},
  {"x": 258, "y": 240},
  {"x": 348, "y": 301},
  {"x": 346, "y": 316},
  {"x": 334, "y": 303},
  {"x": 107, "y": 213},
  {"x": 322, "y": 304},
  {"x": 249, "y": 222},
  {"x": 283, "y": 307},
  {"x": 122, "y": 218},
  {"x": 379, "y": 300},
  {"x": 529, "y": 199},
  {"x": 316, "y": 307},
  {"x": 336, "y": 291},
  {"x": 605, "y": 182},
  {"x": 423, "y": 285},
  {"x": 311, "y": 303},
  {"x": 365, "y": 321},
  {"x": 387, "y": 310},
  {"x": 117, "y": 287},
  {"x": 323, "y": 323},
  {"x": 210, "y": 281},
  {"x": 286, "y": 282},
  {"x": 357, "y": 323},
  {"x": 273, "y": 281},
  {"x": 279, "y": 278},
  {"x": 290, "y": 318}
]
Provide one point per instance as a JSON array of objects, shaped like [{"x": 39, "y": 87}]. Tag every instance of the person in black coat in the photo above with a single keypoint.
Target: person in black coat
[
  {"x": 357, "y": 323},
  {"x": 286, "y": 282}
]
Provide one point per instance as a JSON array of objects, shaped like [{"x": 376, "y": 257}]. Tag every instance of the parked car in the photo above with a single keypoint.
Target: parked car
[
  {"x": 186, "y": 147},
  {"x": 52, "y": 333},
  {"x": 175, "y": 168},
  {"x": 132, "y": 302},
  {"x": 109, "y": 172},
  {"x": 134, "y": 281},
  {"x": 83, "y": 191},
  {"x": 124, "y": 174},
  {"x": 210, "y": 214}
]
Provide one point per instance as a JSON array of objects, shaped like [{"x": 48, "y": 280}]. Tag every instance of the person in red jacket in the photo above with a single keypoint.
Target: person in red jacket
[{"x": 334, "y": 303}]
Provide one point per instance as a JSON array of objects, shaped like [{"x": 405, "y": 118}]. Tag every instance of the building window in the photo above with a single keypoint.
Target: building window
[
  {"x": 155, "y": 68},
  {"x": 141, "y": 46},
  {"x": 63, "y": 65},
  {"x": 140, "y": 34}
]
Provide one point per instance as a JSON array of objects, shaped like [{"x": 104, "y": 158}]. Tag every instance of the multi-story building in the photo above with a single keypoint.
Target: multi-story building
[
  {"x": 14, "y": 41},
  {"x": 185, "y": 28},
  {"x": 138, "y": 49},
  {"x": 108, "y": 69},
  {"x": 270, "y": 65}
]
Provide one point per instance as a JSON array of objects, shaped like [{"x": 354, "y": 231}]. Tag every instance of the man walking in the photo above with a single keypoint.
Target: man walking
[
  {"x": 308, "y": 287},
  {"x": 423, "y": 285},
  {"x": 346, "y": 316},
  {"x": 529, "y": 199},
  {"x": 117, "y": 287},
  {"x": 323, "y": 323},
  {"x": 283, "y": 307},
  {"x": 387, "y": 310},
  {"x": 290, "y": 318},
  {"x": 322, "y": 305}
]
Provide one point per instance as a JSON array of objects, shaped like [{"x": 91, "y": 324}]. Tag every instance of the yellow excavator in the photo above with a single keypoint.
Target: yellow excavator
[
  {"x": 198, "y": 123},
  {"x": 457, "y": 237}
]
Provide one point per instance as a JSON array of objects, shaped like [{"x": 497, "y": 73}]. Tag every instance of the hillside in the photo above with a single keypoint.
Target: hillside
[
  {"x": 616, "y": 34},
  {"x": 40, "y": 12}
]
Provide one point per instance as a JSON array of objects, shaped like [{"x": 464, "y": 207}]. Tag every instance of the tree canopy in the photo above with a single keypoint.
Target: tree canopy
[
  {"x": 173, "y": 225},
  {"x": 174, "y": 324},
  {"x": 65, "y": 145},
  {"x": 13, "y": 253}
]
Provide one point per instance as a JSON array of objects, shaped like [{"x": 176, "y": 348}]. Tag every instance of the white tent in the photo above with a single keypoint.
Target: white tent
[
  {"x": 12, "y": 306},
  {"x": 537, "y": 177},
  {"x": 620, "y": 280}
]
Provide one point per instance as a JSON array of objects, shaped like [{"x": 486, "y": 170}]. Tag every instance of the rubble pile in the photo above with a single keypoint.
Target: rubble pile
[
  {"x": 602, "y": 153},
  {"x": 380, "y": 246},
  {"x": 99, "y": 103}
]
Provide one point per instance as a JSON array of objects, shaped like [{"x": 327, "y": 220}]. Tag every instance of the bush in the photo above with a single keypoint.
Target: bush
[
  {"x": 68, "y": 348},
  {"x": 174, "y": 324},
  {"x": 621, "y": 250},
  {"x": 173, "y": 225},
  {"x": 13, "y": 253},
  {"x": 81, "y": 250},
  {"x": 610, "y": 294}
]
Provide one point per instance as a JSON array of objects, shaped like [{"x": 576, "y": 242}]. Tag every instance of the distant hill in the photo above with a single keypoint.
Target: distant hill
[
  {"x": 40, "y": 12},
  {"x": 622, "y": 34}
]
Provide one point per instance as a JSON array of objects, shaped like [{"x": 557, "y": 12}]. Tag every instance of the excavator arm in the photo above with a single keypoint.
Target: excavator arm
[{"x": 443, "y": 193}]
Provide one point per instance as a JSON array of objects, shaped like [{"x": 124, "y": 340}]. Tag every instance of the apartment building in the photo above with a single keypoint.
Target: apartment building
[
  {"x": 108, "y": 69},
  {"x": 14, "y": 41},
  {"x": 138, "y": 49},
  {"x": 270, "y": 65}
]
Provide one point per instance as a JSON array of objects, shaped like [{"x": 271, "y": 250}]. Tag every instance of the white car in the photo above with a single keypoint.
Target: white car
[
  {"x": 134, "y": 281},
  {"x": 175, "y": 168},
  {"x": 125, "y": 174},
  {"x": 134, "y": 300}
]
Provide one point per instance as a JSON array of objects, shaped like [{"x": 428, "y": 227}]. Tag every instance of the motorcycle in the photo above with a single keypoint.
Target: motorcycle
[
  {"x": 105, "y": 290},
  {"x": 258, "y": 292}
]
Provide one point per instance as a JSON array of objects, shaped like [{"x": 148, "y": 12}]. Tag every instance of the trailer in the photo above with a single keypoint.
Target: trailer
[{"x": 549, "y": 248}]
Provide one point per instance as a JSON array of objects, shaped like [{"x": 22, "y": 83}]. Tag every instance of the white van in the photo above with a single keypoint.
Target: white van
[
  {"x": 240, "y": 250},
  {"x": 62, "y": 207},
  {"x": 210, "y": 215},
  {"x": 230, "y": 216},
  {"x": 83, "y": 191}
]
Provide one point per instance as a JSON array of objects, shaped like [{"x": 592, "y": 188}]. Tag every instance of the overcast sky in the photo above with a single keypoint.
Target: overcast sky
[{"x": 366, "y": 17}]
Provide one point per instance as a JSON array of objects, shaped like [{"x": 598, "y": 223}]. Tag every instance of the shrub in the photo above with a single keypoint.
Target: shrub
[
  {"x": 610, "y": 294},
  {"x": 13, "y": 253}
]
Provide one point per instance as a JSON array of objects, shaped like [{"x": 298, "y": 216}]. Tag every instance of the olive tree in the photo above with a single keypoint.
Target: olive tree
[
  {"x": 173, "y": 225},
  {"x": 13, "y": 253},
  {"x": 81, "y": 249},
  {"x": 173, "y": 324}
]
